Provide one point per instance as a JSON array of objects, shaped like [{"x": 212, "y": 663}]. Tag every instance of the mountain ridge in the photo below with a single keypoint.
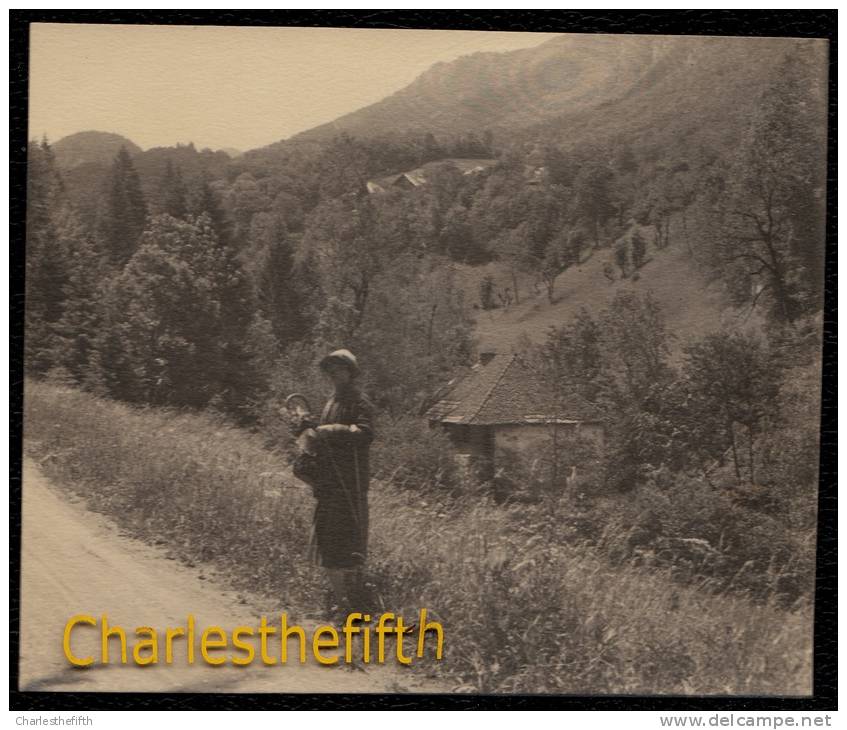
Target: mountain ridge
[
  {"x": 574, "y": 88},
  {"x": 578, "y": 88},
  {"x": 492, "y": 88}
]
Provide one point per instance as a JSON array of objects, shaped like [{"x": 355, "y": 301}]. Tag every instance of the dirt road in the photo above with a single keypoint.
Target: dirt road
[{"x": 74, "y": 561}]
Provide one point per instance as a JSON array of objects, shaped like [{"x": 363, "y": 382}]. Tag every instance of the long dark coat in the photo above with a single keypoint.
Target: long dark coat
[{"x": 340, "y": 527}]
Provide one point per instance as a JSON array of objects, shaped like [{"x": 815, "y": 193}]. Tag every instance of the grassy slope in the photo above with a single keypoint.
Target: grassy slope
[
  {"x": 214, "y": 493},
  {"x": 691, "y": 305}
]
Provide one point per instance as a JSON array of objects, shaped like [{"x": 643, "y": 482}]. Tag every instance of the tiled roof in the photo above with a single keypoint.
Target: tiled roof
[{"x": 506, "y": 391}]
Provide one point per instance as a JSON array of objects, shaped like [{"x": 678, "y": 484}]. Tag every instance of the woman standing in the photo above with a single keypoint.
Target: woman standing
[{"x": 340, "y": 527}]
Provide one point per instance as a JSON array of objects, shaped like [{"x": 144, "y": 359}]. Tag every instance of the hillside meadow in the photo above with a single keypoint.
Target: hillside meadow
[
  {"x": 527, "y": 605},
  {"x": 691, "y": 302}
]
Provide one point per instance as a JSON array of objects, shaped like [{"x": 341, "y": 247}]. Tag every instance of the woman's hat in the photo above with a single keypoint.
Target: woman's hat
[{"x": 345, "y": 357}]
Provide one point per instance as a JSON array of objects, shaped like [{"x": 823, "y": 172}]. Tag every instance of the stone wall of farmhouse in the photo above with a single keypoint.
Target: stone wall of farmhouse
[{"x": 532, "y": 437}]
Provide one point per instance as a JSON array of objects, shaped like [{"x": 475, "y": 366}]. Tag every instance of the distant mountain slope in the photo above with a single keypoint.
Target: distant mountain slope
[
  {"x": 579, "y": 86},
  {"x": 231, "y": 152},
  {"x": 513, "y": 89},
  {"x": 91, "y": 148},
  {"x": 698, "y": 91}
]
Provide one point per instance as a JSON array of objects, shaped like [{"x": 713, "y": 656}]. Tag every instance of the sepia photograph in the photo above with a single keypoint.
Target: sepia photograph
[{"x": 415, "y": 361}]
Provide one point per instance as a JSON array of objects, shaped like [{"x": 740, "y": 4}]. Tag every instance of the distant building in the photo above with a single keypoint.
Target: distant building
[
  {"x": 501, "y": 406},
  {"x": 420, "y": 175}
]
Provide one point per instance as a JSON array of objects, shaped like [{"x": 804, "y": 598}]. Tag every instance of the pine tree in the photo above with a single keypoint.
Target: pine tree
[
  {"x": 309, "y": 288},
  {"x": 201, "y": 198},
  {"x": 278, "y": 294},
  {"x": 241, "y": 382},
  {"x": 173, "y": 200},
  {"x": 593, "y": 197},
  {"x": 76, "y": 331},
  {"x": 122, "y": 212},
  {"x": 45, "y": 257}
]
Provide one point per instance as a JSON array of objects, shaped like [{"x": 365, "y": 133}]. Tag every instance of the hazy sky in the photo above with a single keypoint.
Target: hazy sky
[{"x": 226, "y": 86}]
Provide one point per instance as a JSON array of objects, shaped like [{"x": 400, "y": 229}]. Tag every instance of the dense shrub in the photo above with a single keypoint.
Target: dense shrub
[
  {"x": 705, "y": 536},
  {"x": 568, "y": 464},
  {"x": 408, "y": 453}
]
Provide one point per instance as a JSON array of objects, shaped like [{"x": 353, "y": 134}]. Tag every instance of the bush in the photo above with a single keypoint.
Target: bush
[
  {"x": 706, "y": 536},
  {"x": 570, "y": 465},
  {"x": 527, "y": 606},
  {"x": 639, "y": 249},
  {"x": 486, "y": 293},
  {"x": 622, "y": 257},
  {"x": 408, "y": 453}
]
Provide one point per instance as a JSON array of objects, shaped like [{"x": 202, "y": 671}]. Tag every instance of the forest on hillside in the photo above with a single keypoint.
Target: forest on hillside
[{"x": 180, "y": 278}]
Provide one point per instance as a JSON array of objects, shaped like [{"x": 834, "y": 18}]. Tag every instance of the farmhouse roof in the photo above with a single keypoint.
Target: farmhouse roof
[
  {"x": 506, "y": 391},
  {"x": 419, "y": 176}
]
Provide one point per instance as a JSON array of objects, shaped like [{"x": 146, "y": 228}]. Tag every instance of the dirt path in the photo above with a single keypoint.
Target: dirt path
[{"x": 75, "y": 561}]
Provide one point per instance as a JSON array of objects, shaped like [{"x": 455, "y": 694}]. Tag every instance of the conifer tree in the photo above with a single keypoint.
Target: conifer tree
[
  {"x": 45, "y": 257},
  {"x": 122, "y": 211},
  {"x": 79, "y": 325},
  {"x": 278, "y": 294},
  {"x": 173, "y": 201},
  {"x": 201, "y": 198},
  {"x": 593, "y": 197}
]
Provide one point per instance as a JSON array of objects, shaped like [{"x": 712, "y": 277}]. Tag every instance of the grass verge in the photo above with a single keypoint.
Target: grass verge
[{"x": 523, "y": 609}]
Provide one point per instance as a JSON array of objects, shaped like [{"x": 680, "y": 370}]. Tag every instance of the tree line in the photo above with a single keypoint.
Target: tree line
[
  {"x": 220, "y": 290},
  {"x": 211, "y": 293}
]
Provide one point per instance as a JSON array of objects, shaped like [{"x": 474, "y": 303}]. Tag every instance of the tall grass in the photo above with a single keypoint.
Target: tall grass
[{"x": 524, "y": 609}]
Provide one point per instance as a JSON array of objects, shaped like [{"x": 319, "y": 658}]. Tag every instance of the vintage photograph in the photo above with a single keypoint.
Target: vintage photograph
[{"x": 421, "y": 361}]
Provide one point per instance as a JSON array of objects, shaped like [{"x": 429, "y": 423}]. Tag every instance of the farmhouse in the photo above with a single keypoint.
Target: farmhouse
[
  {"x": 420, "y": 176},
  {"x": 502, "y": 406}
]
